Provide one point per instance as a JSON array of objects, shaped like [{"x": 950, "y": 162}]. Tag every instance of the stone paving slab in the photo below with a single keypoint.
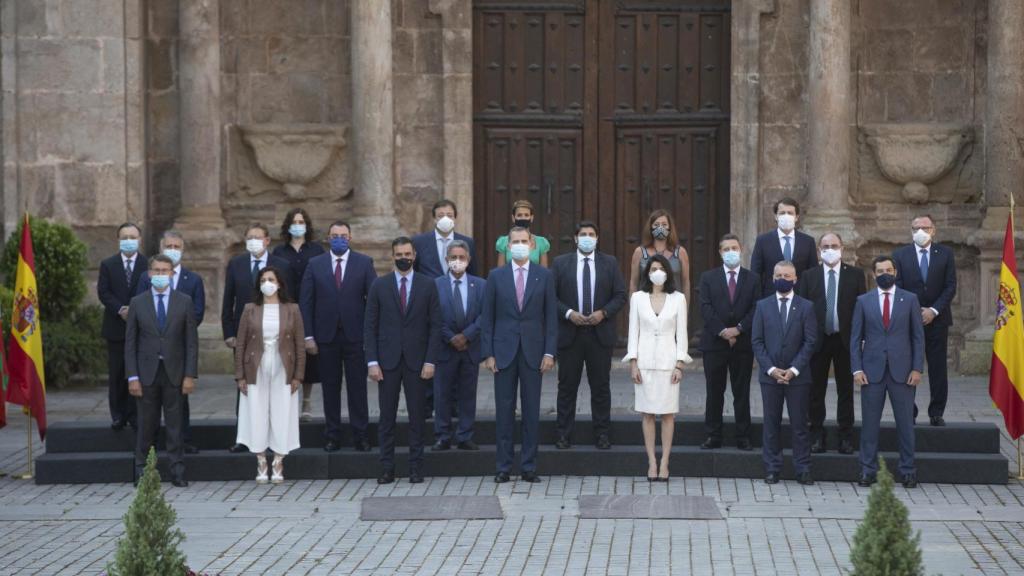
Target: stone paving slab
[
  {"x": 649, "y": 507},
  {"x": 431, "y": 508}
]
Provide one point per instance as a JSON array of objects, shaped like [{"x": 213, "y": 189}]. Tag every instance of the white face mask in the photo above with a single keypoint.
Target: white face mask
[
  {"x": 786, "y": 222},
  {"x": 831, "y": 256},
  {"x": 457, "y": 266},
  {"x": 268, "y": 288},
  {"x": 658, "y": 277},
  {"x": 922, "y": 238},
  {"x": 254, "y": 246},
  {"x": 445, "y": 225}
]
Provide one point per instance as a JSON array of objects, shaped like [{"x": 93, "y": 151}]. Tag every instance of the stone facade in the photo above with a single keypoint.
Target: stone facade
[{"x": 207, "y": 115}]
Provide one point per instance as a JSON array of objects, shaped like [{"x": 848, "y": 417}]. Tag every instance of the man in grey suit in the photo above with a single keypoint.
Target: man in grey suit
[
  {"x": 887, "y": 346},
  {"x": 161, "y": 360}
]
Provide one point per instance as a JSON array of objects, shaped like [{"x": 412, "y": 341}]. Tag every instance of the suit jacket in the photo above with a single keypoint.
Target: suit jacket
[
  {"x": 427, "y": 261},
  {"x": 505, "y": 328},
  {"x": 784, "y": 347},
  {"x": 190, "y": 284},
  {"x": 657, "y": 341},
  {"x": 939, "y": 290},
  {"x": 290, "y": 343},
  {"x": 718, "y": 313},
  {"x": 390, "y": 336},
  {"x": 901, "y": 347},
  {"x": 851, "y": 284},
  {"x": 238, "y": 289},
  {"x": 115, "y": 291},
  {"x": 177, "y": 343},
  {"x": 767, "y": 253},
  {"x": 609, "y": 295},
  {"x": 328, "y": 311},
  {"x": 474, "y": 304}
]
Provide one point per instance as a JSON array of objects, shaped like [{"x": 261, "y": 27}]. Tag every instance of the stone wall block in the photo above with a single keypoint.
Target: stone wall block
[
  {"x": 339, "y": 99},
  {"x": 163, "y": 19},
  {"x": 418, "y": 157},
  {"x": 404, "y": 50},
  {"x": 81, "y": 127},
  {"x": 426, "y": 107},
  {"x": 286, "y": 98},
  {"x": 244, "y": 55},
  {"x": 290, "y": 18},
  {"x": 113, "y": 69},
  {"x": 784, "y": 153},
  {"x": 909, "y": 98},
  {"x": 428, "y": 52},
  {"x": 163, "y": 126},
  {"x": 89, "y": 193},
  {"x": 337, "y": 18},
  {"x": 91, "y": 18},
  {"x": 942, "y": 49},
  {"x": 38, "y": 183},
  {"x": 59, "y": 64},
  {"x": 161, "y": 57},
  {"x": 300, "y": 55},
  {"x": 458, "y": 51},
  {"x": 28, "y": 18},
  {"x": 784, "y": 97}
]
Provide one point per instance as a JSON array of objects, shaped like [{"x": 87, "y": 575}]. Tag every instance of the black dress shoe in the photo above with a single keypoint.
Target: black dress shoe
[
  {"x": 603, "y": 443},
  {"x": 711, "y": 444},
  {"x": 501, "y": 477},
  {"x": 415, "y": 477},
  {"x": 180, "y": 482},
  {"x": 845, "y": 447},
  {"x": 467, "y": 445},
  {"x": 387, "y": 477},
  {"x": 744, "y": 444},
  {"x": 805, "y": 478},
  {"x": 361, "y": 445},
  {"x": 937, "y": 421},
  {"x": 910, "y": 481},
  {"x": 563, "y": 444},
  {"x": 772, "y": 478},
  {"x": 819, "y": 446},
  {"x": 332, "y": 446},
  {"x": 238, "y": 449},
  {"x": 440, "y": 446},
  {"x": 118, "y": 425},
  {"x": 867, "y": 480},
  {"x": 530, "y": 477},
  {"x": 190, "y": 449}
]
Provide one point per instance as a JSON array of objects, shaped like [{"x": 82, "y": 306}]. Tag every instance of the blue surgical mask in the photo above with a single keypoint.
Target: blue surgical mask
[
  {"x": 129, "y": 245},
  {"x": 586, "y": 244},
  {"x": 339, "y": 245},
  {"x": 174, "y": 254},
  {"x": 885, "y": 281},
  {"x": 519, "y": 251},
  {"x": 160, "y": 281},
  {"x": 783, "y": 286},
  {"x": 297, "y": 230},
  {"x": 731, "y": 258}
]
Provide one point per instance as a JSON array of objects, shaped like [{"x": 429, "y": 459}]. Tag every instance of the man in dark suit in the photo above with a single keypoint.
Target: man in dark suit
[
  {"x": 784, "y": 335},
  {"x": 172, "y": 245},
  {"x": 161, "y": 359},
  {"x": 335, "y": 287},
  {"x": 728, "y": 296},
  {"x": 590, "y": 292},
  {"x": 833, "y": 287},
  {"x": 402, "y": 335},
  {"x": 239, "y": 284},
  {"x": 458, "y": 358},
  {"x": 929, "y": 271},
  {"x": 119, "y": 280},
  {"x": 519, "y": 327},
  {"x": 783, "y": 243},
  {"x": 887, "y": 348}
]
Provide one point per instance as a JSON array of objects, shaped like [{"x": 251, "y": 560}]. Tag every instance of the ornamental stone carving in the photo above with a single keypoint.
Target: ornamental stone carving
[
  {"x": 295, "y": 155},
  {"x": 916, "y": 155}
]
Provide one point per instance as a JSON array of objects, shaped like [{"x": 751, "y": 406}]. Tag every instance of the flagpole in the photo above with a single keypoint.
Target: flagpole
[
  {"x": 28, "y": 470},
  {"x": 1020, "y": 463}
]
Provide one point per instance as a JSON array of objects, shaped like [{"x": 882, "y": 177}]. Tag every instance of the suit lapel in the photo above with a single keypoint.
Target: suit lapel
[
  {"x": 791, "y": 305},
  {"x": 532, "y": 278},
  {"x": 575, "y": 280}
]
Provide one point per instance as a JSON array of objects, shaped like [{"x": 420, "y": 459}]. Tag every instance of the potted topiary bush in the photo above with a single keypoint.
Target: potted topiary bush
[{"x": 884, "y": 543}]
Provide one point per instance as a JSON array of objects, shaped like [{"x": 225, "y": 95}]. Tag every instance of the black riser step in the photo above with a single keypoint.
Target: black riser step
[
  {"x": 217, "y": 435},
  {"x": 314, "y": 463}
]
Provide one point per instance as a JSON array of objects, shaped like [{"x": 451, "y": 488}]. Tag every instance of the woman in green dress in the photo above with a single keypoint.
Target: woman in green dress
[{"x": 522, "y": 215}]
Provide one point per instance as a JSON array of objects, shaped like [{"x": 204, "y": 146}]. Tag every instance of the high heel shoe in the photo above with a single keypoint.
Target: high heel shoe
[
  {"x": 261, "y": 469},
  {"x": 649, "y": 477},
  {"x": 278, "y": 475},
  {"x": 663, "y": 478}
]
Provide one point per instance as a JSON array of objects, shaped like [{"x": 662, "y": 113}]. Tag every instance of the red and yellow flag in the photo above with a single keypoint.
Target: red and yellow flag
[
  {"x": 27, "y": 382},
  {"x": 1006, "y": 379}
]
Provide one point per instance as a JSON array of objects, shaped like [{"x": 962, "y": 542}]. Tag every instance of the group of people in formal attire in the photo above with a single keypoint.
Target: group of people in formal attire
[{"x": 301, "y": 314}]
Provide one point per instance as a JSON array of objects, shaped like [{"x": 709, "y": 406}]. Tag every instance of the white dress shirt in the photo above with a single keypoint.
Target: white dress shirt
[
  {"x": 789, "y": 311},
  {"x": 579, "y": 280}
]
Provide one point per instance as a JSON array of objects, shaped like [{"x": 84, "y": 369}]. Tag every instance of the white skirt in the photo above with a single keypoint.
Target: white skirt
[
  {"x": 657, "y": 394},
  {"x": 268, "y": 415}
]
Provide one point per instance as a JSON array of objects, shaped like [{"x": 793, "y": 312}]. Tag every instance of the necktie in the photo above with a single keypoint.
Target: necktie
[
  {"x": 588, "y": 299},
  {"x": 924, "y": 264},
  {"x": 732, "y": 287},
  {"x": 520, "y": 286},
  {"x": 787, "y": 252},
  {"x": 444, "y": 254},
  {"x": 255, "y": 270},
  {"x": 337, "y": 273},
  {"x": 128, "y": 272},
  {"x": 784, "y": 312},
  {"x": 161, "y": 312},
  {"x": 402, "y": 295},
  {"x": 885, "y": 311},
  {"x": 830, "y": 303},
  {"x": 460, "y": 310}
]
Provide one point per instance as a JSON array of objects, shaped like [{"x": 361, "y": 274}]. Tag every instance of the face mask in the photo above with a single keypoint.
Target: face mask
[
  {"x": 173, "y": 254},
  {"x": 297, "y": 230},
  {"x": 783, "y": 286},
  {"x": 659, "y": 232},
  {"x": 658, "y": 277},
  {"x": 586, "y": 244},
  {"x": 786, "y": 221},
  {"x": 445, "y": 225},
  {"x": 731, "y": 258},
  {"x": 268, "y": 288},
  {"x": 129, "y": 245},
  {"x": 523, "y": 223},
  {"x": 922, "y": 238},
  {"x": 457, "y": 266},
  {"x": 160, "y": 281},
  {"x": 254, "y": 246},
  {"x": 519, "y": 251},
  {"x": 339, "y": 245},
  {"x": 831, "y": 256},
  {"x": 885, "y": 281},
  {"x": 403, "y": 264}
]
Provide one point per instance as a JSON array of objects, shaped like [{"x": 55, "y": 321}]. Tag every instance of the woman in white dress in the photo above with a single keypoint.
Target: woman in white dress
[
  {"x": 656, "y": 352},
  {"x": 270, "y": 362}
]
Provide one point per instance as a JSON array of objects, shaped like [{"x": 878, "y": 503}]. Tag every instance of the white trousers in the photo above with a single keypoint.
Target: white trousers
[{"x": 268, "y": 415}]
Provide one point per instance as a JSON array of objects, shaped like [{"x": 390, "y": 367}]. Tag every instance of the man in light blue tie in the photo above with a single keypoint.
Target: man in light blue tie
[{"x": 784, "y": 243}]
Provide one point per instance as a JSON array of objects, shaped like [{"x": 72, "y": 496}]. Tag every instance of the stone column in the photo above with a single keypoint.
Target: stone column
[{"x": 829, "y": 122}]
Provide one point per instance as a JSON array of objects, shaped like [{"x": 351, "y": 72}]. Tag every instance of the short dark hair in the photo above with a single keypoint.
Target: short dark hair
[
  {"x": 160, "y": 258},
  {"x": 519, "y": 229},
  {"x": 282, "y": 286},
  {"x": 883, "y": 258},
  {"x": 339, "y": 223},
  {"x": 285, "y": 235},
  {"x": 401, "y": 241},
  {"x": 670, "y": 282},
  {"x": 257, "y": 226},
  {"x": 836, "y": 234},
  {"x": 925, "y": 215},
  {"x": 587, "y": 224},
  {"x": 788, "y": 202},
  {"x": 441, "y": 204},
  {"x": 128, "y": 225},
  {"x": 729, "y": 236}
]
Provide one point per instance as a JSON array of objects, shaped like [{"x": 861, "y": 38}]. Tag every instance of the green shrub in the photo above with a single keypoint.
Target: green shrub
[
  {"x": 60, "y": 263},
  {"x": 884, "y": 544}
]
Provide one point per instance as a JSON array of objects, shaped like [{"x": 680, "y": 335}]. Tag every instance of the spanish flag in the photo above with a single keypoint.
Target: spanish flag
[
  {"x": 1006, "y": 379},
  {"x": 27, "y": 383}
]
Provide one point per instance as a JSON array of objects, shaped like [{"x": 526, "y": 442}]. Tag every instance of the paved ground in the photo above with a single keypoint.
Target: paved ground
[{"x": 313, "y": 527}]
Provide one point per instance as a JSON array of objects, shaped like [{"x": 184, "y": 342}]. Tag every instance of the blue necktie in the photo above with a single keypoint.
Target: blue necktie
[
  {"x": 830, "y": 303},
  {"x": 924, "y": 264},
  {"x": 460, "y": 310},
  {"x": 784, "y": 311},
  {"x": 161, "y": 312},
  {"x": 787, "y": 252}
]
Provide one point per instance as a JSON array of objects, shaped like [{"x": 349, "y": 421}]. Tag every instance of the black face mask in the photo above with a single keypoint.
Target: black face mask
[
  {"x": 885, "y": 281},
  {"x": 521, "y": 223},
  {"x": 403, "y": 264}
]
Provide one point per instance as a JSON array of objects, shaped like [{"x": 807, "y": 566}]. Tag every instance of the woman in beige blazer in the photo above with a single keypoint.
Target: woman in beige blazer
[{"x": 270, "y": 361}]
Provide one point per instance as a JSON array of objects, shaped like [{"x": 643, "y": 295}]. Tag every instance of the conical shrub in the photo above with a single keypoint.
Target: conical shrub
[{"x": 884, "y": 544}]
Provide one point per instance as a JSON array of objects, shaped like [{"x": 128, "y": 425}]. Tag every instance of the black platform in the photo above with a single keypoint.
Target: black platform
[{"x": 85, "y": 452}]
